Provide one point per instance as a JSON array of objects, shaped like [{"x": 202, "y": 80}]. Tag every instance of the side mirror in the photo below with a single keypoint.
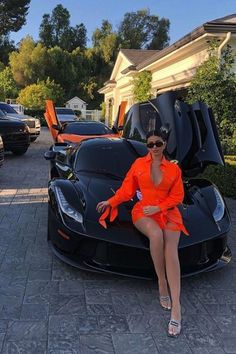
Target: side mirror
[
  {"x": 56, "y": 127},
  {"x": 50, "y": 155},
  {"x": 114, "y": 130}
]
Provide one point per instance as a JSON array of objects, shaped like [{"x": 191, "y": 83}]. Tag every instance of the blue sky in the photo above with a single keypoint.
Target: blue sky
[{"x": 184, "y": 15}]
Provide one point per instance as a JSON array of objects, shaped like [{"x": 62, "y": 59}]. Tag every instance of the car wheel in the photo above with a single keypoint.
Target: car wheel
[
  {"x": 19, "y": 151},
  {"x": 33, "y": 139}
]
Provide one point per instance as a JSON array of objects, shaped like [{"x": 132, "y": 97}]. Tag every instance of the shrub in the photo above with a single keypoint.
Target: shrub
[{"x": 224, "y": 177}]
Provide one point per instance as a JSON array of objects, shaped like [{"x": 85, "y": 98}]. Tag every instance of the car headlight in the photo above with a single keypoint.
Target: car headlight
[
  {"x": 219, "y": 210},
  {"x": 66, "y": 208}
]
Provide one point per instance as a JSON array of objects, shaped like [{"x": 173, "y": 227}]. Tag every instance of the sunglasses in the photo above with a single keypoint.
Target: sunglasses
[{"x": 157, "y": 143}]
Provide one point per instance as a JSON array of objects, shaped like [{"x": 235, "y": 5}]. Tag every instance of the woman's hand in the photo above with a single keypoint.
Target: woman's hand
[
  {"x": 150, "y": 209},
  {"x": 101, "y": 207}
]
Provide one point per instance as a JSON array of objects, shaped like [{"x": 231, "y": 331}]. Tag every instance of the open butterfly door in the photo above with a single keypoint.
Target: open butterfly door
[{"x": 51, "y": 118}]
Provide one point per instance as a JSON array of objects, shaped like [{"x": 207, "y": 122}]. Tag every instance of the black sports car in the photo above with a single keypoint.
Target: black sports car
[{"x": 84, "y": 175}]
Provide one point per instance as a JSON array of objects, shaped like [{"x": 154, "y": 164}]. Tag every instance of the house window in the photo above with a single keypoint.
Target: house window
[{"x": 75, "y": 106}]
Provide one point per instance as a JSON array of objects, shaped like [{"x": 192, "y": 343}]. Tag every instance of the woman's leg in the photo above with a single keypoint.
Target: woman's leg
[
  {"x": 171, "y": 240},
  {"x": 151, "y": 229}
]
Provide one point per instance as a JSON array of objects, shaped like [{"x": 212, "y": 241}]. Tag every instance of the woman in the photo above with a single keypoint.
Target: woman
[{"x": 157, "y": 217}]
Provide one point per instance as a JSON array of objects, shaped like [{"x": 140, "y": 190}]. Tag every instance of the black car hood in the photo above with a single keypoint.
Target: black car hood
[
  {"x": 11, "y": 125},
  {"x": 193, "y": 139}
]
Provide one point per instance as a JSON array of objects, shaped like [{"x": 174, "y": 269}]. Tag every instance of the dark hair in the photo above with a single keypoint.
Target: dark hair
[{"x": 162, "y": 132}]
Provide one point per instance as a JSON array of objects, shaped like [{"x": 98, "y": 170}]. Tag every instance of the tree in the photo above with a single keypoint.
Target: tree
[
  {"x": 142, "y": 30},
  {"x": 6, "y": 47},
  {"x": 61, "y": 69},
  {"x": 214, "y": 83},
  {"x": 105, "y": 42},
  {"x": 142, "y": 86},
  {"x": 35, "y": 95},
  {"x": 29, "y": 64},
  {"x": 12, "y": 15},
  {"x": 55, "y": 30},
  {"x": 8, "y": 87}
]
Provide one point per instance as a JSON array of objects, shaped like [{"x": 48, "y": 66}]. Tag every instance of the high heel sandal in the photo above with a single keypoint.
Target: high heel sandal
[
  {"x": 165, "y": 299},
  {"x": 176, "y": 325}
]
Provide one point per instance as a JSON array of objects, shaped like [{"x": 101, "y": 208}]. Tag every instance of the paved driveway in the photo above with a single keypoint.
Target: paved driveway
[{"x": 49, "y": 307}]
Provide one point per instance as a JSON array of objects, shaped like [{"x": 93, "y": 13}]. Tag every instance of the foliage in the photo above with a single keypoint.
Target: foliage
[
  {"x": 142, "y": 86},
  {"x": 214, "y": 83},
  {"x": 105, "y": 42},
  {"x": 29, "y": 64},
  {"x": 6, "y": 47},
  {"x": 224, "y": 177},
  {"x": 12, "y": 15},
  {"x": 103, "y": 108},
  {"x": 8, "y": 87},
  {"x": 62, "y": 70},
  {"x": 34, "y": 96},
  {"x": 142, "y": 30},
  {"x": 55, "y": 30}
]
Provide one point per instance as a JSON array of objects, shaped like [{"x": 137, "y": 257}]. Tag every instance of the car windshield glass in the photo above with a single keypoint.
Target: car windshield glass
[
  {"x": 7, "y": 108},
  {"x": 108, "y": 159},
  {"x": 2, "y": 114},
  {"x": 65, "y": 111},
  {"x": 87, "y": 128}
]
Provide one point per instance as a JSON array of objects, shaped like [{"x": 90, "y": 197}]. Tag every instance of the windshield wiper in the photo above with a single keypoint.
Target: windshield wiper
[{"x": 101, "y": 172}]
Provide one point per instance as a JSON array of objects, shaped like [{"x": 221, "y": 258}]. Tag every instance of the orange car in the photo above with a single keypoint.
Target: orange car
[{"x": 74, "y": 132}]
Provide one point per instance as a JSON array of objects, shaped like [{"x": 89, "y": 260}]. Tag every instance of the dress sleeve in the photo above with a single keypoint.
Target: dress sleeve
[
  {"x": 127, "y": 189},
  {"x": 176, "y": 193}
]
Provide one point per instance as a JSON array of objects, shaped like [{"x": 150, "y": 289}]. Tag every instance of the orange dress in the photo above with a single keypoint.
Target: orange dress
[{"x": 166, "y": 195}]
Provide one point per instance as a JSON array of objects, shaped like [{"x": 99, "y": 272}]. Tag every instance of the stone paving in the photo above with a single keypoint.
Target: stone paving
[{"x": 49, "y": 307}]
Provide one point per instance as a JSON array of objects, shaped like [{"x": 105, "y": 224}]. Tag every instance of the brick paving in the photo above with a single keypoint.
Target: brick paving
[{"x": 49, "y": 307}]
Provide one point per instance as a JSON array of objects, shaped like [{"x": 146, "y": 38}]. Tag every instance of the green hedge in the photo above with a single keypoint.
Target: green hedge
[{"x": 224, "y": 177}]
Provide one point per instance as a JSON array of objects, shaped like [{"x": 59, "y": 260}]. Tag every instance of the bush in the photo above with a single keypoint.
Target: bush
[{"x": 224, "y": 177}]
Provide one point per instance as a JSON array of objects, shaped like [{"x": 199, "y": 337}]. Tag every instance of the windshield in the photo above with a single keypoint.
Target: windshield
[
  {"x": 2, "y": 114},
  {"x": 7, "y": 108},
  {"x": 87, "y": 128},
  {"x": 114, "y": 158},
  {"x": 65, "y": 111}
]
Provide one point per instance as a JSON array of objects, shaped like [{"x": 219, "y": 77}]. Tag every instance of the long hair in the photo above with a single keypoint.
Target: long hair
[{"x": 162, "y": 132}]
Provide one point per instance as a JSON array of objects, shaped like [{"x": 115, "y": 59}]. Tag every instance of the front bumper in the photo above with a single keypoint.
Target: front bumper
[{"x": 90, "y": 253}]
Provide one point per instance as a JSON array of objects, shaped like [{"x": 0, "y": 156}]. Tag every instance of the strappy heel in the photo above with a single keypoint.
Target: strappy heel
[
  {"x": 165, "y": 299},
  {"x": 175, "y": 324}
]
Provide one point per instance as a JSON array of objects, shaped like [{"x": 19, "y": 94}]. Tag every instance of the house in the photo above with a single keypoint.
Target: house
[
  {"x": 172, "y": 68},
  {"x": 76, "y": 104}
]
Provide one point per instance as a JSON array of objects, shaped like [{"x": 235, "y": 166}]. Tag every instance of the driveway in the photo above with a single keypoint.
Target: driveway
[{"x": 49, "y": 307}]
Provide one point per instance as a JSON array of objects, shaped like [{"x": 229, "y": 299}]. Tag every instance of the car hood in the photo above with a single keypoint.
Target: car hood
[
  {"x": 95, "y": 190},
  {"x": 193, "y": 139}
]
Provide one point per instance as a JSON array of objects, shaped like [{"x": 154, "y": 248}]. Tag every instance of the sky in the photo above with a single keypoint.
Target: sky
[{"x": 184, "y": 15}]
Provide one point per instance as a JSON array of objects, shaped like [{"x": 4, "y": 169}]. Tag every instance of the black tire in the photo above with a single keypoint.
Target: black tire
[
  {"x": 19, "y": 152},
  {"x": 33, "y": 139}
]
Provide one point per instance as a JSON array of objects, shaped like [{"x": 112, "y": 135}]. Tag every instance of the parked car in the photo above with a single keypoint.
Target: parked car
[
  {"x": 15, "y": 134},
  {"x": 84, "y": 175},
  {"x": 66, "y": 115},
  {"x": 1, "y": 151},
  {"x": 33, "y": 123},
  {"x": 17, "y": 107},
  {"x": 74, "y": 131}
]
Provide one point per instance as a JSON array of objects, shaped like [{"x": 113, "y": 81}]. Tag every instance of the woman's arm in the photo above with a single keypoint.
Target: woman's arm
[{"x": 126, "y": 190}]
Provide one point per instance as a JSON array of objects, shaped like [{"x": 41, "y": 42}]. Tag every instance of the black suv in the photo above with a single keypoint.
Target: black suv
[{"x": 15, "y": 135}]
